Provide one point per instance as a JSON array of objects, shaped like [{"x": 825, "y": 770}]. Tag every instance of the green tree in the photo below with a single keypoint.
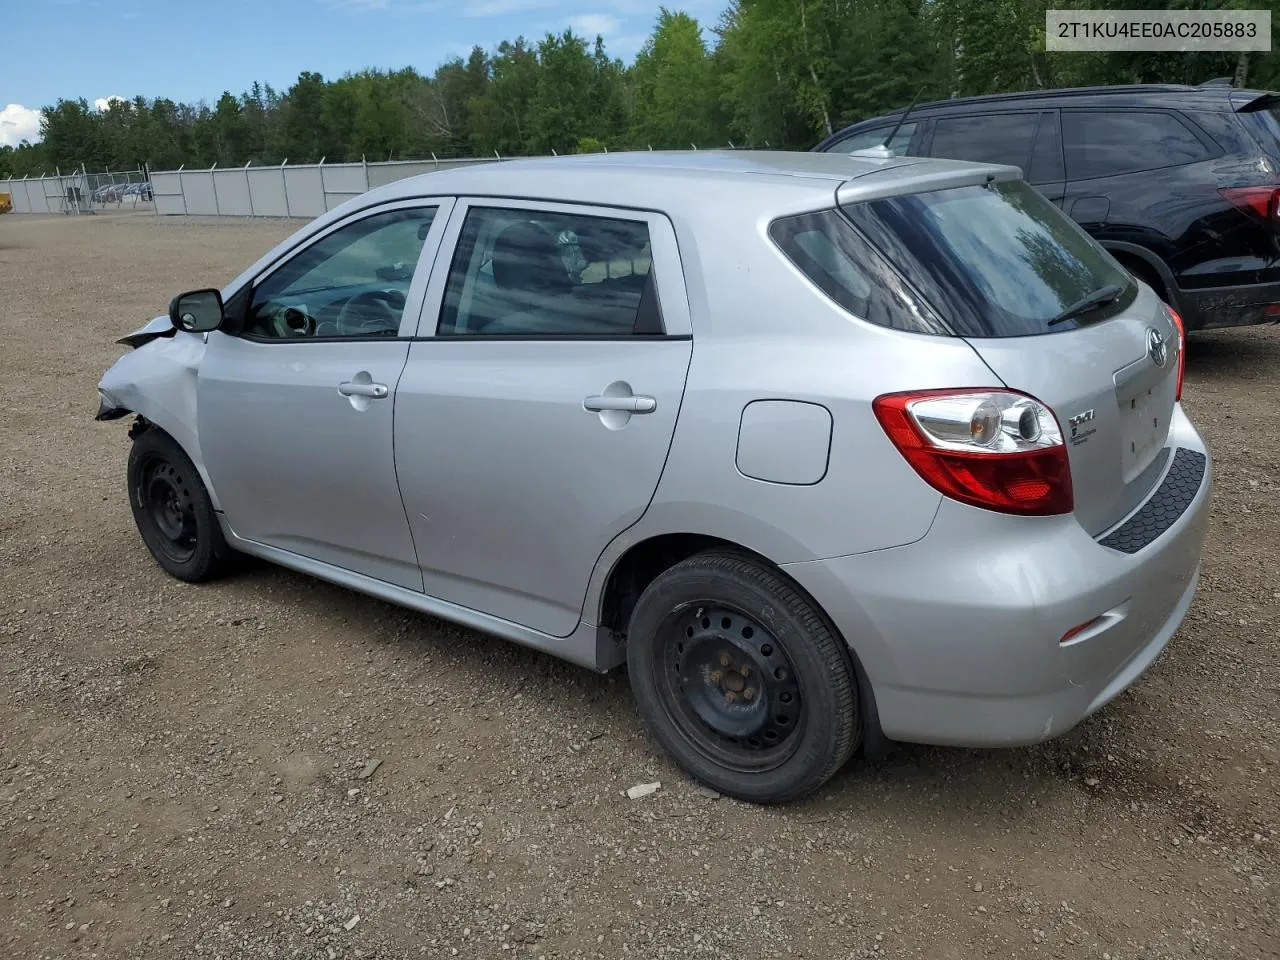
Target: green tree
[{"x": 674, "y": 87}]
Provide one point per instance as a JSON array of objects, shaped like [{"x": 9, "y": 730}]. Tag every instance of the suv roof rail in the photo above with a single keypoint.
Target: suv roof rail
[
  {"x": 1219, "y": 82},
  {"x": 1113, "y": 88}
]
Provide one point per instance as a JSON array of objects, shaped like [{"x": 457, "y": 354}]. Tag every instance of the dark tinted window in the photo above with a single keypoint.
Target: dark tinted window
[
  {"x": 1265, "y": 125},
  {"x": 830, "y": 253},
  {"x": 999, "y": 138},
  {"x": 994, "y": 261},
  {"x": 1103, "y": 144},
  {"x": 1046, "y": 158},
  {"x": 538, "y": 273}
]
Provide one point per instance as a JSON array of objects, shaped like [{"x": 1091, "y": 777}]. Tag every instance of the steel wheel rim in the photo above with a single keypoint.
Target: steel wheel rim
[
  {"x": 729, "y": 686},
  {"x": 170, "y": 509}
]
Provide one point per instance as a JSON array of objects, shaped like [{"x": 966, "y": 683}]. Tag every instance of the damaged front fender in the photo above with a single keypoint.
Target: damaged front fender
[
  {"x": 160, "y": 326},
  {"x": 157, "y": 381}
]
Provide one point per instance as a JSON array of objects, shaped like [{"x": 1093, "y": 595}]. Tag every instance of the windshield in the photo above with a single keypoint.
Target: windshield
[{"x": 995, "y": 261}]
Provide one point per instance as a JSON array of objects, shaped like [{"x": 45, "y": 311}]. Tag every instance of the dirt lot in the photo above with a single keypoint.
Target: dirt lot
[{"x": 179, "y": 767}]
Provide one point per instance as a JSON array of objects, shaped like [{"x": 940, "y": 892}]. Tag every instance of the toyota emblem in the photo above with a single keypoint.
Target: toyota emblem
[{"x": 1157, "y": 349}]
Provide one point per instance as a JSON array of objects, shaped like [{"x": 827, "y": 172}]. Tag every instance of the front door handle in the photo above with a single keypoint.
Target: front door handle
[
  {"x": 636, "y": 404},
  {"x": 350, "y": 388}
]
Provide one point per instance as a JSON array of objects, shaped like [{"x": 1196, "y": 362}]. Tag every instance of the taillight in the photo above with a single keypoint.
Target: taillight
[
  {"x": 991, "y": 448},
  {"x": 1264, "y": 201},
  {"x": 1182, "y": 347}
]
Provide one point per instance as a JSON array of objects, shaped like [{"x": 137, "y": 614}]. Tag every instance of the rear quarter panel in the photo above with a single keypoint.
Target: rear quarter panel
[{"x": 762, "y": 331}]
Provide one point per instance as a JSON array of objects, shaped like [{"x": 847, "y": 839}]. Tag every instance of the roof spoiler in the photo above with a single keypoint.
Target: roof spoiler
[{"x": 1264, "y": 102}]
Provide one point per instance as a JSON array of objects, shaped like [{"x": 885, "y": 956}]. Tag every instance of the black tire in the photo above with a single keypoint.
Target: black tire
[
  {"x": 718, "y": 614},
  {"x": 172, "y": 509}
]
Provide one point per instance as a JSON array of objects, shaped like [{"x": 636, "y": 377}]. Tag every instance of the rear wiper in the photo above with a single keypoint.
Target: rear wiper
[{"x": 1099, "y": 297}]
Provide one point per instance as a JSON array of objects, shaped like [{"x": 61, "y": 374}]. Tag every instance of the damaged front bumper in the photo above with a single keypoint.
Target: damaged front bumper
[{"x": 109, "y": 408}]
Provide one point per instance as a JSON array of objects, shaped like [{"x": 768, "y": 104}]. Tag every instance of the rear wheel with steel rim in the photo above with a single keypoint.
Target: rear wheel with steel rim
[
  {"x": 172, "y": 509},
  {"x": 741, "y": 679}
]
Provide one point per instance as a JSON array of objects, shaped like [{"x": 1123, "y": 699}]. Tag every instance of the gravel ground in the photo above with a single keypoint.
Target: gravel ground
[{"x": 181, "y": 767}]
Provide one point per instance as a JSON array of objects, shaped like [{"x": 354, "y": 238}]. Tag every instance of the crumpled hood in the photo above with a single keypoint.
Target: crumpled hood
[{"x": 160, "y": 326}]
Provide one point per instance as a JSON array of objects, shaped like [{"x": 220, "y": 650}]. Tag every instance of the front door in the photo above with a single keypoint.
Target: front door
[
  {"x": 295, "y": 408},
  {"x": 534, "y": 419}
]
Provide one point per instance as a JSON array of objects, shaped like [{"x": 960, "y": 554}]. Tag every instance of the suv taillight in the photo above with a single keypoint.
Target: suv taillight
[
  {"x": 990, "y": 448},
  {"x": 1182, "y": 347},
  {"x": 1262, "y": 200}
]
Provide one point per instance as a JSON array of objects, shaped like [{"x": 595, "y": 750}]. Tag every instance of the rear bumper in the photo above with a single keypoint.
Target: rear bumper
[
  {"x": 959, "y": 633},
  {"x": 1211, "y": 307}
]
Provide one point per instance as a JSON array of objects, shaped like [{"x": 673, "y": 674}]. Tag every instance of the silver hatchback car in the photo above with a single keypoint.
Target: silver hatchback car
[{"x": 828, "y": 450}]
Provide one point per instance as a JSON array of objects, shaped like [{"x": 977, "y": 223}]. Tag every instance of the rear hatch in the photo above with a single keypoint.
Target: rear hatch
[{"x": 1001, "y": 265}]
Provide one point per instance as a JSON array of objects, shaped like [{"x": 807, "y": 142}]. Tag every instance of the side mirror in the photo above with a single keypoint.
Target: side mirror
[{"x": 196, "y": 311}]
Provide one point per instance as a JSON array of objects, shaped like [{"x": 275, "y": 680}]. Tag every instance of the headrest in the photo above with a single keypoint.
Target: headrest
[{"x": 527, "y": 257}]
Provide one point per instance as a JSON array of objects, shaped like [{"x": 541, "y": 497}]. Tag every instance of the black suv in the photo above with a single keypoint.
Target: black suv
[{"x": 1180, "y": 183}]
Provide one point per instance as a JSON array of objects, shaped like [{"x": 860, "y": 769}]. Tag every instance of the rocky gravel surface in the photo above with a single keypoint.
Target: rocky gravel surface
[{"x": 271, "y": 767}]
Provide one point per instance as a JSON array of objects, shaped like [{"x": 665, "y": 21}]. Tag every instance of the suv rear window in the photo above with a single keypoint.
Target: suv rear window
[{"x": 997, "y": 260}]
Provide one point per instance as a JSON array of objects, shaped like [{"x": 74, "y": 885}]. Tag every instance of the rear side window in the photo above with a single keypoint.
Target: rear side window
[
  {"x": 523, "y": 273},
  {"x": 1107, "y": 143},
  {"x": 994, "y": 261},
  {"x": 827, "y": 250},
  {"x": 999, "y": 138}
]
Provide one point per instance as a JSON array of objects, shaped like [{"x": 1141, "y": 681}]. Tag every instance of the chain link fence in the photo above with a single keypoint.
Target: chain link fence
[
  {"x": 303, "y": 190},
  {"x": 79, "y": 192}
]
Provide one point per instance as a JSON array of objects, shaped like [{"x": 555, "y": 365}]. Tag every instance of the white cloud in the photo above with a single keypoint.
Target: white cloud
[
  {"x": 18, "y": 123},
  {"x": 103, "y": 102},
  {"x": 590, "y": 25}
]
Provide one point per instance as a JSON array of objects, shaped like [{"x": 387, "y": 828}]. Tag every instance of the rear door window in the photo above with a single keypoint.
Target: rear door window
[
  {"x": 536, "y": 273},
  {"x": 995, "y": 138},
  {"x": 1111, "y": 142},
  {"x": 993, "y": 261}
]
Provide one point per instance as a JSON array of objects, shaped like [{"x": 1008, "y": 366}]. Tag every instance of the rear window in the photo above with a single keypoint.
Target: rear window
[{"x": 993, "y": 261}]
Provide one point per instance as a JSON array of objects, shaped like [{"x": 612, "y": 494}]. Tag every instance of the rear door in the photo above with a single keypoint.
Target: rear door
[
  {"x": 1001, "y": 263},
  {"x": 533, "y": 422}
]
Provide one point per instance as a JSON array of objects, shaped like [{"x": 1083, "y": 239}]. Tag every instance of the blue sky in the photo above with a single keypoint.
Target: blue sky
[{"x": 194, "y": 49}]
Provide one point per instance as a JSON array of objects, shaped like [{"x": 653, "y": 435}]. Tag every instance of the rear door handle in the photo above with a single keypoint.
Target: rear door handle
[
  {"x": 637, "y": 404},
  {"x": 350, "y": 388}
]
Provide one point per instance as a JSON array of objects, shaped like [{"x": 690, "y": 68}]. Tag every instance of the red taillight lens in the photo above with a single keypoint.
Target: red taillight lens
[
  {"x": 1264, "y": 201},
  {"x": 990, "y": 448},
  {"x": 1182, "y": 347}
]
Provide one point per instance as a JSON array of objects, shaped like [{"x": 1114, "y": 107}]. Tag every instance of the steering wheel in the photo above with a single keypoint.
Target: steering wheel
[{"x": 355, "y": 315}]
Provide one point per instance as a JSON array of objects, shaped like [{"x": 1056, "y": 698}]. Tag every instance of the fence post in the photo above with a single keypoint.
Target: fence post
[
  {"x": 365, "y": 163},
  {"x": 146, "y": 174},
  {"x": 284, "y": 185},
  {"x": 182, "y": 189},
  {"x": 213, "y": 182},
  {"x": 435, "y": 159},
  {"x": 248, "y": 188}
]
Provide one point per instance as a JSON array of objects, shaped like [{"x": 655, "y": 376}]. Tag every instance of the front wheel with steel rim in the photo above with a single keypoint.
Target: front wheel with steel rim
[
  {"x": 741, "y": 679},
  {"x": 172, "y": 509}
]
